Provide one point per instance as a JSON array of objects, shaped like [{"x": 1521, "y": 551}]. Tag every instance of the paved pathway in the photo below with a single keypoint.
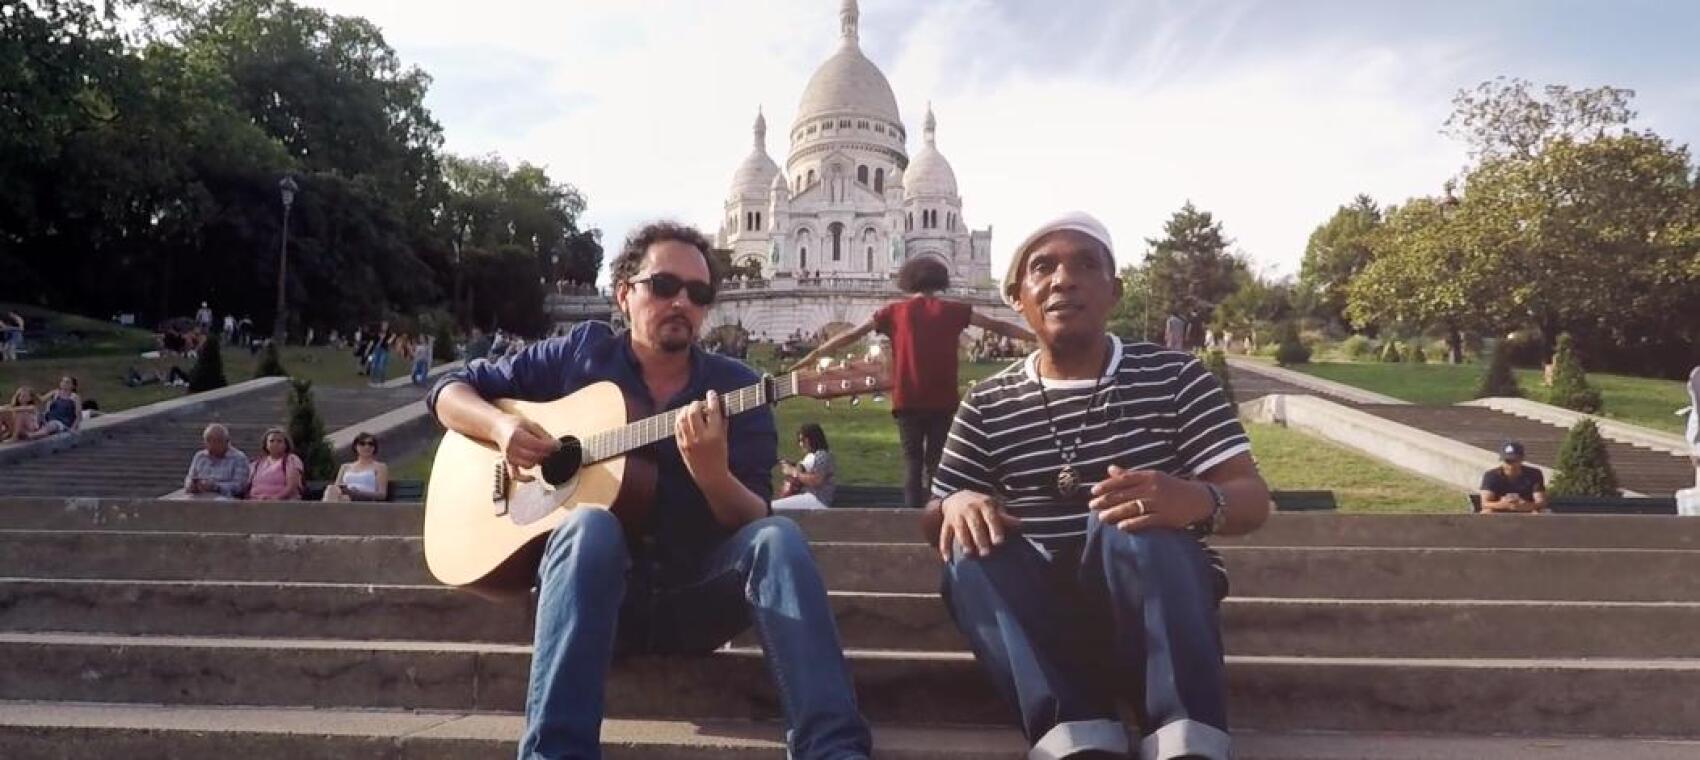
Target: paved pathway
[
  {"x": 1654, "y": 473},
  {"x": 147, "y": 458}
]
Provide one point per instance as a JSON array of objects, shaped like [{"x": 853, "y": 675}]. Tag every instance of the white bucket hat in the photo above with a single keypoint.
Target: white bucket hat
[{"x": 1074, "y": 221}]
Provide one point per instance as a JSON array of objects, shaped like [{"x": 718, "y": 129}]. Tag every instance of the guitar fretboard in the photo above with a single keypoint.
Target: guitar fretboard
[{"x": 612, "y": 443}]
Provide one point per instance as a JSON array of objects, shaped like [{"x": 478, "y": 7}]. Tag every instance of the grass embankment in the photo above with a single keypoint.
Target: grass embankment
[
  {"x": 102, "y": 377},
  {"x": 1637, "y": 400}
]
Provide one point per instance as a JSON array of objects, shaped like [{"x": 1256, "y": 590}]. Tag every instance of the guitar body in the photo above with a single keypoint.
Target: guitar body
[{"x": 487, "y": 532}]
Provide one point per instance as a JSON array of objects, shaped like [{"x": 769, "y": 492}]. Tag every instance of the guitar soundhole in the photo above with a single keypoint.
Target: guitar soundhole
[{"x": 562, "y": 465}]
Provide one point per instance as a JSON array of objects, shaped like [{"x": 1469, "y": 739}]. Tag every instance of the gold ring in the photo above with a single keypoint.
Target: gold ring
[{"x": 1141, "y": 503}]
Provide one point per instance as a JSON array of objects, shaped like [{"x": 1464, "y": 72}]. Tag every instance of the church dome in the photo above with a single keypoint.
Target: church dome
[
  {"x": 848, "y": 83},
  {"x": 755, "y": 176},
  {"x": 929, "y": 173}
]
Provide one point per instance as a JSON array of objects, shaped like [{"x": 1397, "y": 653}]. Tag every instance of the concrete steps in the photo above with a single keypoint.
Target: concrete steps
[{"x": 189, "y": 629}]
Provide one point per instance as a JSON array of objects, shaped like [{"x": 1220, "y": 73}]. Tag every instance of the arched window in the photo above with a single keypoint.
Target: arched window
[
  {"x": 803, "y": 260},
  {"x": 837, "y": 231},
  {"x": 758, "y": 220},
  {"x": 879, "y": 180},
  {"x": 870, "y": 258},
  {"x": 909, "y": 224},
  {"x": 811, "y": 181},
  {"x": 862, "y": 174}
]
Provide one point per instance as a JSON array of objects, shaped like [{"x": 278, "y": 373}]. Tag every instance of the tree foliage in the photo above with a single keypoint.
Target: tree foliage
[
  {"x": 271, "y": 364},
  {"x": 1584, "y": 464},
  {"x": 1337, "y": 251},
  {"x": 139, "y": 171},
  {"x": 1498, "y": 379},
  {"x": 1190, "y": 271},
  {"x": 307, "y": 432},
  {"x": 208, "y": 371},
  {"x": 1289, "y": 349},
  {"x": 1570, "y": 388}
]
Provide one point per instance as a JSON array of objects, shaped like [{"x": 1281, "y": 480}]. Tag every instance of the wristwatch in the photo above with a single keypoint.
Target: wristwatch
[{"x": 1218, "y": 512}]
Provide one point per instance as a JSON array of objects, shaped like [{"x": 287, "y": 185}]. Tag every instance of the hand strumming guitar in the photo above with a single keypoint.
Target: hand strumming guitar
[
  {"x": 700, "y": 429},
  {"x": 523, "y": 443}
]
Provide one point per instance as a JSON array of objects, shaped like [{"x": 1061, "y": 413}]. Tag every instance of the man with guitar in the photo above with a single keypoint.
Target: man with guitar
[{"x": 708, "y": 561}]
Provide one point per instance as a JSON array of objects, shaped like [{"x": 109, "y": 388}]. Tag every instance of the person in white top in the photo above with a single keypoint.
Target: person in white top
[
  {"x": 809, "y": 483},
  {"x": 365, "y": 478}
]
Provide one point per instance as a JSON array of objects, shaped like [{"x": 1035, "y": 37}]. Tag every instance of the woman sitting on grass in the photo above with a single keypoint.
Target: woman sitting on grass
[
  {"x": 63, "y": 412},
  {"x": 275, "y": 474},
  {"x": 20, "y": 417},
  {"x": 365, "y": 478},
  {"x": 809, "y": 483}
]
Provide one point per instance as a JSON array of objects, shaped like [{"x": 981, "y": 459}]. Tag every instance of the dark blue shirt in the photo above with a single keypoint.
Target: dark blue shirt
[{"x": 681, "y": 524}]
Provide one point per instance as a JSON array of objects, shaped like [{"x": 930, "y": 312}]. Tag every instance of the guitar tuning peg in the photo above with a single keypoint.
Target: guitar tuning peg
[
  {"x": 879, "y": 398},
  {"x": 829, "y": 403},
  {"x": 825, "y": 362},
  {"x": 855, "y": 400}
]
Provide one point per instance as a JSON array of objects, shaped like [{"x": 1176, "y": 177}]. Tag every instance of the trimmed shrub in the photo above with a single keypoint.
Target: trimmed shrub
[
  {"x": 1570, "y": 388},
  {"x": 1584, "y": 465},
  {"x": 1414, "y": 354},
  {"x": 1357, "y": 348},
  {"x": 1289, "y": 350},
  {"x": 1390, "y": 352},
  {"x": 1217, "y": 363},
  {"x": 208, "y": 372},
  {"x": 1497, "y": 378},
  {"x": 271, "y": 365},
  {"x": 443, "y": 343},
  {"x": 307, "y": 432}
]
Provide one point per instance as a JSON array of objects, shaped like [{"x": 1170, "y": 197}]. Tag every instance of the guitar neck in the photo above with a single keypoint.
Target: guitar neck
[{"x": 612, "y": 443}]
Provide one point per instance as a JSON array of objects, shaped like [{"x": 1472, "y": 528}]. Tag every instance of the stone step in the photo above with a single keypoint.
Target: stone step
[
  {"x": 1502, "y": 696},
  {"x": 883, "y": 525},
  {"x": 1311, "y": 627},
  {"x": 66, "y": 731},
  {"x": 1624, "y": 575}
]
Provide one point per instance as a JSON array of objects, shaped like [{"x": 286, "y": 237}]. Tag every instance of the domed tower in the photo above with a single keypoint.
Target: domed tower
[
  {"x": 747, "y": 220},
  {"x": 848, "y": 127},
  {"x": 932, "y": 209}
]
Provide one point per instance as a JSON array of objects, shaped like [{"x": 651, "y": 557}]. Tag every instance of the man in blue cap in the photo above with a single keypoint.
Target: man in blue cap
[{"x": 1513, "y": 486}]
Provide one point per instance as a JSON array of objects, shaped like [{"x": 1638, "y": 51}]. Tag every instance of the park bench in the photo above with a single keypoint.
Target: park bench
[
  {"x": 399, "y": 490},
  {"x": 1304, "y": 501},
  {"x": 1601, "y": 505}
]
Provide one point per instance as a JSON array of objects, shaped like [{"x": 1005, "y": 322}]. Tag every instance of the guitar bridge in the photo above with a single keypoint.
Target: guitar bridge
[{"x": 499, "y": 489}]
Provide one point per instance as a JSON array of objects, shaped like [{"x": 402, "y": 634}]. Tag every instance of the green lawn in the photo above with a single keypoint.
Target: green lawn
[
  {"x": 1638, "y": 400},
  {"x": 101, "y": 377},
  {"x": 72, "y": 335},
  {"x": 1295, "y": 461}
]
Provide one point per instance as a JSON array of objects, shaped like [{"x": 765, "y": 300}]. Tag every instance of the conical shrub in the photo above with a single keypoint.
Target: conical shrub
[
  {"x": 271, "y": 365},
  {"x": 1217, "y": 363},
  {"x": 1584, "y": 465},
  {"x": 1414, "y": 354},
  {"x": 307, "y": 432},
  {"x": 1289, "y": 350},
  {"x": 1497, "y": 378},
  {"x": 1570, "y": 388},
  {"x": 208, "y": 372},
  {"x": 1390, "y": 351}
]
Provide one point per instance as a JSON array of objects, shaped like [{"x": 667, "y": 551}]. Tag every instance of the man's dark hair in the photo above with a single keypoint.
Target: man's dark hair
[
  {"x": 923, "y": 275},
  {"x": 814, "y": 435},
  {"x": 637, "y": 244}
]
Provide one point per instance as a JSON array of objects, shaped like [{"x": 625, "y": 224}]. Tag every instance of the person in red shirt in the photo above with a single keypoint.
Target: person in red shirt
[{"x": 924, "y": 330}]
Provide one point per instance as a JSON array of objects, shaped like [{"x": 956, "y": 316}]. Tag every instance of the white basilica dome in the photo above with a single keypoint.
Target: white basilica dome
[
  {"x": 848, "y": 83},
  {"x": 929, "y": 173},
  {"x": 755, "y": 176}
]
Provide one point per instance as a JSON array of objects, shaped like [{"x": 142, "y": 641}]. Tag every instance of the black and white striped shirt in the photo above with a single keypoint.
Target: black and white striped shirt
[{"x": 1154, "y": 410}]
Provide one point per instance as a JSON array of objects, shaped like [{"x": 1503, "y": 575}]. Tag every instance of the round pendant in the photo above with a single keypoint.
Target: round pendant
[{"x": 1067, "y": 480}]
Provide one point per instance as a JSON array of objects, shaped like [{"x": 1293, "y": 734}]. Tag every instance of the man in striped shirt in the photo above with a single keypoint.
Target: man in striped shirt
[{"x": 1075, "y": 489}]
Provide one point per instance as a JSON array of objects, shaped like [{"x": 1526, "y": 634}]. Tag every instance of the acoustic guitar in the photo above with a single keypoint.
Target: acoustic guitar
[{"x": 485, "y": 527}]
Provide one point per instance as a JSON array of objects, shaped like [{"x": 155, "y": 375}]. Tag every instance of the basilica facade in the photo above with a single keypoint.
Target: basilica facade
[{"x": 829, "y": 230}]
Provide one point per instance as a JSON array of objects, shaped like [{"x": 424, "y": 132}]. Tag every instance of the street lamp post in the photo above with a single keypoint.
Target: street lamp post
[{"x": 285, "y": 188}]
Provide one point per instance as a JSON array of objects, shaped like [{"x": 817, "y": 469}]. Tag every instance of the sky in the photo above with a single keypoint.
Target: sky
[{"x": 1269, "y": 114}]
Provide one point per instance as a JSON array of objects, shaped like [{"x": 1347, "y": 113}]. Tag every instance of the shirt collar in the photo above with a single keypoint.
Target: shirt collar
[{"x": 698, "y": 359}]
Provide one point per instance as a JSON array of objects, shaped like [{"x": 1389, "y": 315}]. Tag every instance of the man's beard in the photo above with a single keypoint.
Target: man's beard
[{"x": 674, "y": 343}]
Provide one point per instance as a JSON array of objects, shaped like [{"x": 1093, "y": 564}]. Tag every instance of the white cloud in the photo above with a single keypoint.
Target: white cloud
[{"x": 646, "y": 106}]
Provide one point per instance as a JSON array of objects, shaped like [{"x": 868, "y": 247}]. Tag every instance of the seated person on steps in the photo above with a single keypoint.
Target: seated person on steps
[
  {"x": 1077, "y": 488},
  {"x": 219, "y": 471},
  {"x": 365, "y": 478},
  {"x": 1513, "y": 486},
  {"x": 712, "y": 558},
  {"x": 809, "y": 483}
]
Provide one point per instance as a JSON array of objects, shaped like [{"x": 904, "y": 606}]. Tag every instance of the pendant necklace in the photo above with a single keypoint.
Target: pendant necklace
[{"x": 1068, "y": 480}]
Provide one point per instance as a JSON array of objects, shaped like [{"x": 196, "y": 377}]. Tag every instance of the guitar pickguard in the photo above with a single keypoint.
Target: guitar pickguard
[{"x": 534, "y": 500}]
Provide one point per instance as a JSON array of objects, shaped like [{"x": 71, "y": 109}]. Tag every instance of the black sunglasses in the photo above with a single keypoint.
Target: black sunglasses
[{"x": 665, "y": 285}]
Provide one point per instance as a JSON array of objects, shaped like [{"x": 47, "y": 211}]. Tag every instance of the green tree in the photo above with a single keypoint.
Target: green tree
[
  {"x": 1337, "y": 251},
  {"x": 1217, "y": 362},
  {"x": 271, "y": 365},
  {"x": 1507, "y": 118},
  {"x": 1190, "y": 270},
  {"x": 1570, "y": 388},
  {"x": 1584, "y": 464},
  {"x": 1498, "y": 380},
  {"x": 1289, "y": 349},
  {"x": 208, "y": 372},
  {"x": 307, "y": 432},
  {"x": 1390, "y": 352},
  {"x": 1128, "y": 319}
]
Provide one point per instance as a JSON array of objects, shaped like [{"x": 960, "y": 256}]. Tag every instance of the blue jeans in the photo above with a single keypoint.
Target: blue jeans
[
  {"x": 420, "y": 372},
  {"x": 1131, "y": 619},
  {"x": 380, "y": 362},
  {"x": 763, "y": 574}
]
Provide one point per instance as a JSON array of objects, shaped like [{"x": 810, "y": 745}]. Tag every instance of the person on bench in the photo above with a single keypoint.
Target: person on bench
[
  {"x": 809, "y": 483},
  {"x": 365, "y": 478},
  {"x": 219, "y": 471},
  {"x": 1076, "y": 489},
  {"x": 1513, "y": 486}
]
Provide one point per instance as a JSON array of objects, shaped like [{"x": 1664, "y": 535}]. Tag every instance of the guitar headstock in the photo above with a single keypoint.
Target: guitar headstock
[{"x": 860, "y": 377}]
